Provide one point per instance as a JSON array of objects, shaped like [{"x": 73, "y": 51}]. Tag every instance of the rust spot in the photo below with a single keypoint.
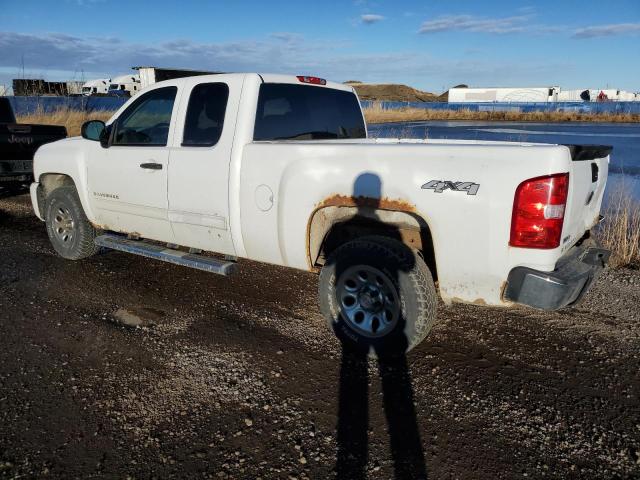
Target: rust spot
[
  {"x": 307, "y": 244},
  {"x": 503, "y": 287},
  {"x": 381, "y": 203},
  {"x": 97, "y": 226}
]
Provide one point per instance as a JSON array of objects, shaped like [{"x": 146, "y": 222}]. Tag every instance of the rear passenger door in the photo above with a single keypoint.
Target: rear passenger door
[{"x": 199, "y": 165}]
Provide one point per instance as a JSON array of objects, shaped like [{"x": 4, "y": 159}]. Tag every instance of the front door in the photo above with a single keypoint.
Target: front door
[
  {"x": 128, "y": 181},
  {"x": 199, "y": 165}
]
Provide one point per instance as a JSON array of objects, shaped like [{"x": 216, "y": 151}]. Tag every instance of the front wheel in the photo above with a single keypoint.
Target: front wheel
[
  {"x": 70, "y": 232},
  {"x": 378, "y": 296}
]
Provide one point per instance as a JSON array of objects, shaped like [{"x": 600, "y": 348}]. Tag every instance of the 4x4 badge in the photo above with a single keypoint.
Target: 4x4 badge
[{"x": 440, "y": 186}]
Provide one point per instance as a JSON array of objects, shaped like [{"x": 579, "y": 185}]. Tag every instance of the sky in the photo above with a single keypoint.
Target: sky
[{"x": 429, "y": 44}]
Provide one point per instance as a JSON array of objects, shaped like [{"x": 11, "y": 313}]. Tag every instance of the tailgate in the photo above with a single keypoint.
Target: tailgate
[
  {"x": 20, "y": 141},
  {"x": 588, "y": 178}
]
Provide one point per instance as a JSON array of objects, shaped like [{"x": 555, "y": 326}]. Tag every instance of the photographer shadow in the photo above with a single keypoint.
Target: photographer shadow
[{"x": 398, "y": 398}]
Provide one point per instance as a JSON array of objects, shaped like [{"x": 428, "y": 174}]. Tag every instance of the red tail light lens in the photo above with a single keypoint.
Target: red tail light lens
[
  {"x": 312, "y": 80},
  {"x": 538, "y": 212}
]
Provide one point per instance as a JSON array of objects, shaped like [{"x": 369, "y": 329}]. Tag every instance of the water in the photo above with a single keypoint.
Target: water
[{"x": 624, "y": 169}]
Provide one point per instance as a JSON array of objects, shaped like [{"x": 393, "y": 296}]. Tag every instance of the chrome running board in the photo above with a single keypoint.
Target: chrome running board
[{"x": 158, "y": 252}]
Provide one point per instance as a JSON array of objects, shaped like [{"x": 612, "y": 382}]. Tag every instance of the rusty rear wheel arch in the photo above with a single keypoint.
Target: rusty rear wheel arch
[{"x": 331, "y": 226}]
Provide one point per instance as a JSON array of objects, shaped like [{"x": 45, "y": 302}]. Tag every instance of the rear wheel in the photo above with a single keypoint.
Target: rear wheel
[
  {"x": 378, "y": 295},
  {"x": 70, "y": 232}
]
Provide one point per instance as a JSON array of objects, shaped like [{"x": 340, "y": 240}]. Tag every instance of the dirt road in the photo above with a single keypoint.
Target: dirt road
[{"x": 237, "y": 378}]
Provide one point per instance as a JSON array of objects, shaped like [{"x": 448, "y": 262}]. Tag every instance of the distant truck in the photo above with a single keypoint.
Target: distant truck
[
  {"x": 124, "y": 85},
  {"x": 96, "y": 87},
  {"x": 18, "y": 144},
  {"x": 199, "y": 171}
]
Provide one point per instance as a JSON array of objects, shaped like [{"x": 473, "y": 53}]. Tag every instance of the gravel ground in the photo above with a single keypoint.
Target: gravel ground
[{"x": 238, "y": 378}]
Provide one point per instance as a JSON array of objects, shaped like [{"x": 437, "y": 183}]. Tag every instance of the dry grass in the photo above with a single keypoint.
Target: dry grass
[
  {"x": 72, "y": 119},
  {"x": 378, "y": 114},
  {"x": 620, "y": 231}
]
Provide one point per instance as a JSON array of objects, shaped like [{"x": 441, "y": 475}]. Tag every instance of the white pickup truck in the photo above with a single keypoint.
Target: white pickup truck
[{"x": 200, "y": 171}]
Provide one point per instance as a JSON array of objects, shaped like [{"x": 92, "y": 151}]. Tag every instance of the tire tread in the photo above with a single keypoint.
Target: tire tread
[{"x": 86, "y": 232}]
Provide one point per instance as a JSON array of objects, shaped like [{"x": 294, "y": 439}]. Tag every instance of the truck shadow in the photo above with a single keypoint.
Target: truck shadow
[{"x": 398, "y": 398}]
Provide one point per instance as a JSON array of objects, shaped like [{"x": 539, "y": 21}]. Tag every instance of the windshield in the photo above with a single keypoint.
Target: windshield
[{"x": 304, "y": 112}]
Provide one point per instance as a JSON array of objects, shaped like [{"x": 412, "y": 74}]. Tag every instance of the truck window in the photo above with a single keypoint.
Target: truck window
[
  {"x": 146, "y": 121},
  {"x": 205, "y": 114},
  {"x": 304, "y": 112}
]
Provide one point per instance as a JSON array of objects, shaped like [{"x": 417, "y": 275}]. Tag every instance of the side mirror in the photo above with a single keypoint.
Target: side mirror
[{"x": 92, "y": 130}]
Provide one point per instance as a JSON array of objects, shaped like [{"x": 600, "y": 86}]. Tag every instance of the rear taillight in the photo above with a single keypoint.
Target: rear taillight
[
  {"x": 312, "y": 80},
  {"x": 538, "y": 212}
]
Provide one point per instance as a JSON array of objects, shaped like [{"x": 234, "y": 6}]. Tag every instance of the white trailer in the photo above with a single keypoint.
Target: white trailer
[
  {"x": 150, "y": 75},
  {"x": 625, "y": 96},
  {"x": 476, "y": 95},
  {"x": 617, "y": 95},
  {"x": 95, "y": 87}
]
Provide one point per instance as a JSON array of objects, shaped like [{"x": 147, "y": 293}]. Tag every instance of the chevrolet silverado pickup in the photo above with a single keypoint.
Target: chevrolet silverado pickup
[
  {"x": 201, "y": 171},
  {"x": 18, "y": 143}
]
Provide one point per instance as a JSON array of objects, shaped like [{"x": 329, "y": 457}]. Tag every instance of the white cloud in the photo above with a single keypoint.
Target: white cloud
[
  {"x": 472, "y": 23},
  {"x": 607, "y": 30},
  {"x": 370, "y": 18},
  {"x": 288, "y": 37},
  {"x": 522, "y": 23}
]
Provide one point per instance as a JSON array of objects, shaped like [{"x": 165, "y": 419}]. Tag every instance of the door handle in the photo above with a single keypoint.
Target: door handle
[{"x": 151, "y": 166}]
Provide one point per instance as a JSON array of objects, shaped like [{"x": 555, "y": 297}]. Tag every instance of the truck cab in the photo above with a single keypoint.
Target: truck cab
[
  {"x": 124, "y": 86},
  {"x": 95, "y": 87}
]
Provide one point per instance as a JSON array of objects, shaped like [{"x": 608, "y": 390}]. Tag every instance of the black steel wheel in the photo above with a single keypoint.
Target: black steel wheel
[{"x": 378, "y": 295}]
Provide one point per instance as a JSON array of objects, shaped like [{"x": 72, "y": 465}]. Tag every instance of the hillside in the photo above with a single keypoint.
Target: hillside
[{"x": 391, "y": 92}]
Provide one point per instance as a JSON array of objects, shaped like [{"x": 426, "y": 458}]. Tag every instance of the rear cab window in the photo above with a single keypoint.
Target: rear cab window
[
  {"x": 205, "y": 114},
  {"x": 305, "y": 112}
]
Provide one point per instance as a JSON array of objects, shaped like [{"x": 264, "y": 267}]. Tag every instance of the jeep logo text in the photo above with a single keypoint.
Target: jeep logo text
[{"x": 25, "y": 140}]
